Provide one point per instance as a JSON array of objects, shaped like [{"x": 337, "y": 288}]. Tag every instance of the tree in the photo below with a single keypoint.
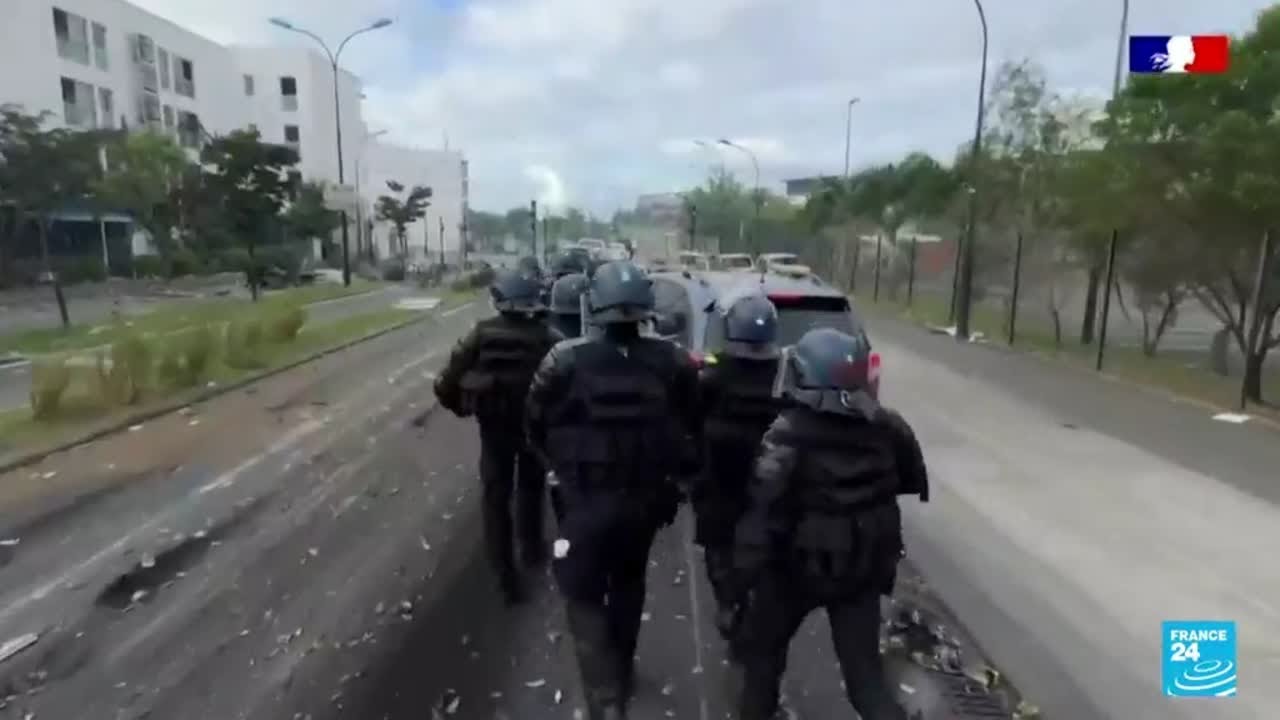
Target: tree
[
  {"x": 251, "y": 181},
  {"x": 308, "y": 216},
  {"x": 485, "y": 227},
  {"x": 724, "y": 211},
  {"x": 43, "y": 172},
  {"x": 402, "y": 210},
  {"x": 142, "y": 170}
]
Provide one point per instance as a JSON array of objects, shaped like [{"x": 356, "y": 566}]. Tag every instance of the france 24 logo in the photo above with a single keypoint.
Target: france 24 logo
[{"x": 1199, "y": 658}]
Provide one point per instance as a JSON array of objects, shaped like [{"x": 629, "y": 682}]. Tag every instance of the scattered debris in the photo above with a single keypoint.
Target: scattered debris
[
  {"x": 645, "y": 617},
  {"x": 194, "y": 422},
  {"x": 49, "y": 475},
  {"x": 668, "y": 688},
  {"x": 147, "y": 561},
  {"x": 1025, "y": 711},
  {"x": 1234, "y": 418},
  {"x": 450, "y": 701},
  {"x": 135, "y": 428},
  {"x": 17, "y": 645},
  {"x": 560, "y": 548},
  {"x": 535, "y": 683},
  {"x": 313, "y": 552},
  {"x": 559, "y": 697},
  {"x": 423, "y": 542},
  {"x": 138, "y": 596},
  {"x": 10, "y": 542}
]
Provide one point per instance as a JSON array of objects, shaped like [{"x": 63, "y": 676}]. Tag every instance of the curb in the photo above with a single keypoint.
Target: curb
[
  {"x": 205, "y": 394},
  {"x": 1103, "y": 375}
]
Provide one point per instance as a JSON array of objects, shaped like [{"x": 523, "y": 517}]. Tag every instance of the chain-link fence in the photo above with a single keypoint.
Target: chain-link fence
[{"x": 1034, "y": 293}]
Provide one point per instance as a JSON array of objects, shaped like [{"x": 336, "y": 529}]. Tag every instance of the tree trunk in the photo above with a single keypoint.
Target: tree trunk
[
  {"x": 1057, "y": 327},
  {"x": 1253, "y": 376},
  {"x": 1090, "y": 304},
  {"x": 252, "y": 271},
  {"x": 54, "y": 279}
]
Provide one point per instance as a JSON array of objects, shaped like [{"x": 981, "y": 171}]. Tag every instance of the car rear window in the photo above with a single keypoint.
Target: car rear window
[{"x": 798, "y": 315}]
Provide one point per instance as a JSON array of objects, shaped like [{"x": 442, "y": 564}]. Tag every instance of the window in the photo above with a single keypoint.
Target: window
[
  {"x": 189, "y": 132},
  {"x": 148, "y": 110},
  {"x": 144, "y": 51},
  {"x": 72, "y": 33},
  {"x": 163, "y": 62},
  {"x": 79, "y": 104},
  {"x": 184, "y": 81},
  {"x": 295, "y": 182},
  {"x": 248, "y": 85},
  {"x": 291, "y": 134},
  {"x": 168, "y": 118},
  {"x": 108, "y": 103},
  {"x": 289, "y": 93},
  {"x": 100, "y": 46}
]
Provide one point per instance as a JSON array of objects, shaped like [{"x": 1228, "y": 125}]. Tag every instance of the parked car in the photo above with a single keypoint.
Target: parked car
[
  {"x": 734, "y": 262},
  {"x": 694, "y": 261}
]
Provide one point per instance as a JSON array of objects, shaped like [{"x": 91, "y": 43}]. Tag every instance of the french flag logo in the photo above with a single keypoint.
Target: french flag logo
[{"x": 1178, "y": 54}]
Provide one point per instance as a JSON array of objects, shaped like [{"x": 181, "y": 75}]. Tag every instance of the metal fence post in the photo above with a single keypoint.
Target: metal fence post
[
  {"x": 1017, "y": 281},
  {"x": 955, "y": 281},
  {"x": 1255, "y": 326},
  {"x": 875, "y": 291},
  {"x": 1106, "y": 299},
  {"x": 857, "y": 256},
  {"x": 911, "y": 270}
]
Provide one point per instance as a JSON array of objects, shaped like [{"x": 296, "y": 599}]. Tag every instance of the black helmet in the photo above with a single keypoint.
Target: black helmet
[
  {"x": 750, "y": 326},
  {"x": 514, "y": 291},
  {"x": 529, "y": 265},
  {"x": 567, "y": 263},
  {"x": 565, "y": 293},
  {"x": 620, "y": 292},
  {"x": 830, "y": 371}
]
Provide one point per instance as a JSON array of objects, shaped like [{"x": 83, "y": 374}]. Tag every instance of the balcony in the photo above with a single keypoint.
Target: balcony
[
  {"x": 147, "y": 76},
  {"x": 184, "y": 87},
  {"x": 75, "y": 50}
]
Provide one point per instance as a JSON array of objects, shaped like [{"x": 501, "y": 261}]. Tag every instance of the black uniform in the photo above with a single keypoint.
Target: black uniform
[
  {"x": 736, "y": 405},
  {"x": 566, "y": 318},
  {"x": 613, "y": 416},
  {"x": 488, "y": 375},
  {"x": 822, "y": 528}
]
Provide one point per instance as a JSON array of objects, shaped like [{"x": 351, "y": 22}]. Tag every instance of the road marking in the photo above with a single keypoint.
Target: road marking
[
  {"x": 227, "y": 479},
  {"x": 1236, "y": 418},
  {"x": 18, "y": 365},
  {"x": 69, "y": 576},
  {"x": 418, "y": 303},
  {"x": 345, "y": 298},
  {"x": 455, "y": 311},
  {"x": 694, "y": 612},
  {"x": 411, "y": 365}
]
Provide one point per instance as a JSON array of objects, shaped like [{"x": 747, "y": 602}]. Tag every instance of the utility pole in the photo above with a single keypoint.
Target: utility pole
[
  {"x": 693, "y": 226},
  {"x": 441, "y": 242},
  {"x": 533, "y": 226}
]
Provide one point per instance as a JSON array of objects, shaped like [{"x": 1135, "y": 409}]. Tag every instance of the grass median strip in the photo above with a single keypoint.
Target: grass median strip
[
  {"x": 142, "y": 374},
  {"x": 170, "y": 317},
  {"x": 1179, "y": 373}
]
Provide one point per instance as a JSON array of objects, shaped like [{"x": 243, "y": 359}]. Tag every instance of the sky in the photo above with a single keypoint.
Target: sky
[{"x": 592, "y": 102}]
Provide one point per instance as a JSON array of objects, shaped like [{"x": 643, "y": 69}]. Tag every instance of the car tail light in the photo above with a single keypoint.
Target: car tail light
[
  {"x": 785, "y": 296},
  {"x": 873, "y": 369},
  {"x": 698, "y": 358}
]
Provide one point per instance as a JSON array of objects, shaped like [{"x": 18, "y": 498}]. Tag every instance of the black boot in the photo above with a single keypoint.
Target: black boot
[
  {"x": 597, "y": 661},
  {"x": 512, "y": 588}
]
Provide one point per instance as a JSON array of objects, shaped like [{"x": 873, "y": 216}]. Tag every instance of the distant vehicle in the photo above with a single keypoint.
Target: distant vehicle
[
  {"x": 611, "y": 254},
  {"x": 782, "y": 263},
  {"x": 593, "y": 245},
  {"x": 690, "y": 260},
  {"x": 660, "y": 264},
  {"x": 686, "y": 305},
  {"x": 734, "y": 261}
]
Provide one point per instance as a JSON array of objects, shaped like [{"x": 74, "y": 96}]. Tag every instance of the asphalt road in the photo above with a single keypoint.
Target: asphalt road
[
  {"x": 1072, "y": 515},
  {"x": 15, "y": 379},
  {"x": 318, "y": 556}
]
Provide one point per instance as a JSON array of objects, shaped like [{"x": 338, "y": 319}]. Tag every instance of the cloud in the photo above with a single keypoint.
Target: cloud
[{"x": 594, "y": 102}]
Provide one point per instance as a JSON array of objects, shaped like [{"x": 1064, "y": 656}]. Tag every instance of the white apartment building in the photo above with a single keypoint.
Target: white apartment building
[
  {"x": 444, "y": 171},
  {"x": 110, "y": 64}
]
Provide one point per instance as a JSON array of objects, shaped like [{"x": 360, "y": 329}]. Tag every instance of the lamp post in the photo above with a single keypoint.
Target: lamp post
[
  {"x": 360, "y": 233},
  {"x": 848, "y": 129},
  {"x": 337, "y": 117},
  {"x": 964, "y": 291},
  {"x": 755, "y": 164}
]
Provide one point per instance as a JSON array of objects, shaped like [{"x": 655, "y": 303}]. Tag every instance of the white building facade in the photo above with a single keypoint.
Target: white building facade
[
  {"x": 444, "y": 171},
  {"x": 110, "y": 64}
]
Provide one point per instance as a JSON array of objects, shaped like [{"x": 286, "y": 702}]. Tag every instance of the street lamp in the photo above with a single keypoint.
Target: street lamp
[
  {"x": 848, "y": 128},
  {"x": 360, "y": 233},
  {"x": 755, "y": 164},
  {"x": 337, "y": 117},
  {"x": 964, "y": 291}
]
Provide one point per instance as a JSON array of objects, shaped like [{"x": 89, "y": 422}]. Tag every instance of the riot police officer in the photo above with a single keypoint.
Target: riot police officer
[
  {"x": 736, "y": 406},
  {"x": 567, "y": 263},
  {"x": 822, "y": 527},
  {"x": 614, "y": 414},
  {"x": 488, "y": 376},
  {"x": 566, "y": 307}
]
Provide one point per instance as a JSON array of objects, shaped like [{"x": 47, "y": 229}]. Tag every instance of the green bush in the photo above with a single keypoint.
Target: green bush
[
  {"x": 462, "y": 284},
  {"x": 150, "y": 266},
  {"x": 285, "y": 326},
  {"x": 80, "y": 269},
  {"x": 169, "y": 368},
  {"x": 183, "y": 262},
  {"x": 49, "y": 382},
  {"x": 230, "y": 260},
  {"x": 483, "y": 277},
  {"x": 244, "y": 344},
  {"x": 129, "y": 372},
  {"x": 198, "y": 350}
]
